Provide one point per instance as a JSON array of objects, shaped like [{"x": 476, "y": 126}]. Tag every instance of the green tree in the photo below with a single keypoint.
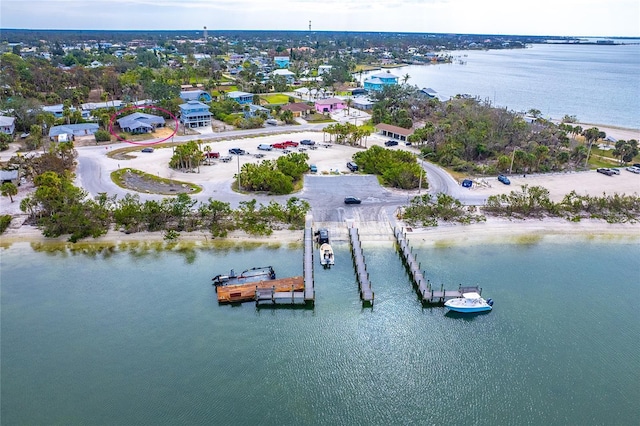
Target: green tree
[{"x": 8, "y": 189}]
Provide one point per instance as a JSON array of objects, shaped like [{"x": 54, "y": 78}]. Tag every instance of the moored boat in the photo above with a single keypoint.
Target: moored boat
[
  {"x": 326, "y": 255},
  {"x": 260, "y": 273},
  {"x": 469, "y": 302}
]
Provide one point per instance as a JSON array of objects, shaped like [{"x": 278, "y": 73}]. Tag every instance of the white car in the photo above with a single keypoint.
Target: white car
[{"x": 633, "y": 169}]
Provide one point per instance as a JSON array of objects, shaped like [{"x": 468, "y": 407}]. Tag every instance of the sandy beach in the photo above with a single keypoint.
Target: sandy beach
[{"x": 332, "y": 159}]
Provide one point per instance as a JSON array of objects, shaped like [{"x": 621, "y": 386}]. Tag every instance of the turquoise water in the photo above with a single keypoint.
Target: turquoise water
[
  {"x": 128, "y": 337},
  {"x": 597, "y": 84}
]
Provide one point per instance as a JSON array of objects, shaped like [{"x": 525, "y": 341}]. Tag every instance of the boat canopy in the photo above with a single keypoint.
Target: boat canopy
[{"x": 471, "y": 295}]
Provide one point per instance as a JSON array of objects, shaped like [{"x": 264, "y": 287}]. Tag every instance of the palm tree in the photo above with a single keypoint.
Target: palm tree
[
  {"x": 591, "y": 135},
  {"x": 405, "y": 78}
]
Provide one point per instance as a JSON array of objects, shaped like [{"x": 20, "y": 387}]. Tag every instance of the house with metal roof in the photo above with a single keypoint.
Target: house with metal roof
[
  {"x": 256, "y": 110},
  {"x": 92, "y": 106},
  {"x": 67, "y": 132},
  {"x": 58, "y": 110},
  {"x": 195, "y": 95},
  {"x": 140, "y": 122},
  {"x": 377, "y": 81},
  {"x": 195, "y": 114},
  {"x": 288, "y": 75},
  {"x": 7, "y": 124},
  {"x": 9, "y": 176},
  {"x": 241, "y": 97}
]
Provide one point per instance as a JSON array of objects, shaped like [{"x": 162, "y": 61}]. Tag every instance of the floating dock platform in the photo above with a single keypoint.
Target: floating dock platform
[
  {"x": 250, "y": 292},
  {"x": 425, "y": 290},
  {"x": 366, "y": 293}
]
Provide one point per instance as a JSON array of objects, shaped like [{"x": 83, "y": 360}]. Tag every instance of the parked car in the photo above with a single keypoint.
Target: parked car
[
  {"x": 307, "y": 142},
  {"x": 147, "y": 149},
  {"x": 225, "y": 159},
  {"x": 313, "y": 168},
  {"x": 352, "y": 166},
  {"x": 264, "y": 147},
  {"x": 504, "y": 179},
  {"x": 272, "y": 122},
  {"x": 633, "y": 169},
  {"x": 289, "y": 144},
  {"x": 278, "y": 145},
  {"x": 615, "y": 171},
  {"x": 636, "y": 165},
  {"x": 604, "y": 171},
  {"x": 391, "y": 143},
  {"x": 322, "y": 236},
  {"x": 258, "y": 155},
  {"x": 237, "y": 151},
  {"x": 352, "y": 200},
  {"x": 211, "y": 155},
  {"x": 467, "y": 183}
]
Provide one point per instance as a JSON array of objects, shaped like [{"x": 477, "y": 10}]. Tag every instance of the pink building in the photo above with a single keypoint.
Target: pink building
[{"x": 330, "y": 105}]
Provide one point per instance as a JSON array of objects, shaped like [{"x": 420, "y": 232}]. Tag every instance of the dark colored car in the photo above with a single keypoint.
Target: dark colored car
[
  {"x": 605, "y": 171},
  {"x": 307, "y": 142},
  {"x": 467, "y": 183},
  {"x": 322, "y": 236},
  {"x": 147, "y": 149},
  {"x": 352, "y": 166},
  {"x": 237, "y": 151},
  {"x": 391, "y": 143},
  {"x": 352, "y": 200},
  {"x": 504, "y": 179}
]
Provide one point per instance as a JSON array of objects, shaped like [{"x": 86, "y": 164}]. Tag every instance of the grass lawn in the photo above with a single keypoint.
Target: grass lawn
[
  {"x": 363, "y": 67},
  {"x": 276, "y": 99}
]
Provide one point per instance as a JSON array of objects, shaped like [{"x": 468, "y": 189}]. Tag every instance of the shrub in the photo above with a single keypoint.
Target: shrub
[
  {"x": 102, "y": 136},
  {"x": 5, "y": 220}
]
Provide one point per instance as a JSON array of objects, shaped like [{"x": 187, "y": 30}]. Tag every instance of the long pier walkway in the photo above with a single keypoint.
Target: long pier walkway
[
  {"x": 366, "y": 293},
  {"x": 424, "y": 288},
  {"x": 306, "y": 294}
]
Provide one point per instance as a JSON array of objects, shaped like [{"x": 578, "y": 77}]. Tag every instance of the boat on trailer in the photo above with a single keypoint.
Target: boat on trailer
[
  {"x": 468, "y": 303},
  {"x": 256, "y": 274},
  {"x": 326, "y": 255}
]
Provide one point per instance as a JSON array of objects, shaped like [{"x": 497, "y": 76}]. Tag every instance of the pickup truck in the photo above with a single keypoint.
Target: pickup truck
[{"x": 211, "y": 155}]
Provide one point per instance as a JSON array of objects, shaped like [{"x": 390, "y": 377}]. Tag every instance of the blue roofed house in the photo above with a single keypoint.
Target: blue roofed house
[
  {"x": 241, "y": 97},
  {"x": 67, "y": 132},
  {"x": 377, "y": 81},
  {"x": 7, "y": 125},
  {"x": 58, "y": 110},
  {"x": 139, "y": 122},
  {"x": 252, "y": 110},
  {"x": 281, "y": 61},
  {"x": 195, "y": 114},
  {"x": 195, "y": 95}
]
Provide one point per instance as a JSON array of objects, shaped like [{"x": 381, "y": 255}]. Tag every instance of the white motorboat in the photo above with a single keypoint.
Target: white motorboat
[
  {"x": 469, "y": 302},
  {"x": 326, "y": 255}
]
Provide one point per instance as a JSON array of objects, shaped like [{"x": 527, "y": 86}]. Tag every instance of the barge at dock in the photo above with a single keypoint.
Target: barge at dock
[{"x": 256, "y": 274}]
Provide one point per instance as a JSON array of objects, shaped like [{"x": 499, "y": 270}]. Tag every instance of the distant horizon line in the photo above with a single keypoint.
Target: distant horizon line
[{"x": 200, "y": 30}]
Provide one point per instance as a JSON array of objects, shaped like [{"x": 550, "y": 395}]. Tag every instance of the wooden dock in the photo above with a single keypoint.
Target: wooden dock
[
  {"x": 249, "y": 292},
  {"x": 425, "y": 290},
  {"x": 366, "y": 293},
  {"x": 307, "y": 261}
]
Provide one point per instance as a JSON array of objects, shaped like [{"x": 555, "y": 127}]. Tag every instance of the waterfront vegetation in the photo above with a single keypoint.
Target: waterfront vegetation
[
  {"x": 428, "y": 210},
  {"x": 58, "y": 208},
  {"x": 529, "y": 202}
]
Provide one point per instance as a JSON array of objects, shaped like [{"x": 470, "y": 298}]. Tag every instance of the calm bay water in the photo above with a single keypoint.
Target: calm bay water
[
  {"x": 597, "y": 84},
  {"x": 133, "y": 337}
]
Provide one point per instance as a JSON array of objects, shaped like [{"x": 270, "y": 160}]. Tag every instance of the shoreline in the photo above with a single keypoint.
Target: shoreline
[{"x": 493, "y": 231}]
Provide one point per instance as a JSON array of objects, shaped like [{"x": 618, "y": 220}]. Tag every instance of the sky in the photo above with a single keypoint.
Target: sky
[{"x": 608, "y": 18}]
